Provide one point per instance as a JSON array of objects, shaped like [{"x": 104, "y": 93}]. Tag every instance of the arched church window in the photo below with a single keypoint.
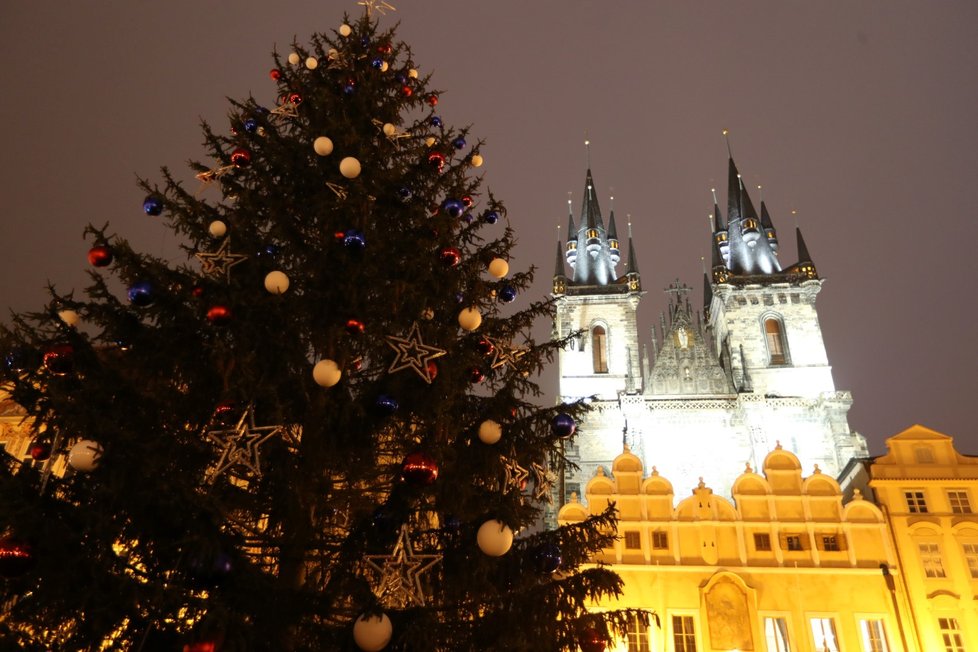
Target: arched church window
[
  {"x": 777, "y": 347},
  {"x": 599, "y": 349}
]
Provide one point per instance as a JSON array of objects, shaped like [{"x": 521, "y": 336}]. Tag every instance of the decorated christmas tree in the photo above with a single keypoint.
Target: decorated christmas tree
[{"x": 320, "y": 431}]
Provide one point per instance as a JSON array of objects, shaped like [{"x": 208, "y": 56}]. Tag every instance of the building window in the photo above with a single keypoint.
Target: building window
[
  {"x": 762, "y": 541},
  {"x": 776, "y": 633},
  {"x": 971, "y": 556},
  {"x": 958, "y": 499},
  {"x": 599, "y": 351},
  {"x": 923, "y": 454},
  {"x": 874, "y": 638},
  {"x": 950, "y": 634},
  {"x": 792, "y": 542},
  {"x": 638, "y": 636},
  {"x": 683, "y": 636},
  {"x": 930, "y": 559},
  {"x": 823, "y": 631},
  {"x": 660, "y": 541},
  {"x": 915, "y": 502},
  {"x": 776, "y": 348},
  {"x": 633, "y": 540},
  {"x": 830, "y": 542}
]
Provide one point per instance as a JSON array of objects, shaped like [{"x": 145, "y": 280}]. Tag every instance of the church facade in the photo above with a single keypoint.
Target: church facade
[{"x": 747, "y": 371}]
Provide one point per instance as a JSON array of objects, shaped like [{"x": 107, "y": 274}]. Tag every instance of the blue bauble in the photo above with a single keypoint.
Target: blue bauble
[
  {"x": 354, "y": 239},
  {"x": 250, "y": 125},
  {"x": 141, "y": 293},
  {"x": 491, "y": 217},
  {"x": 386, "y": 404},
  {"x": 546, "y": 558},
  {"x": 349, "y": 89},
  {"x": 364, "y": 41},
  {"x": 459, "y": 297},
  {"x": 269, "y": 252},
  {"x": 507, "y": 294},
  {"x": 209, "y": 568},
  {"x": 453, "y": 207},
  {"x": 401, "y": 78},
  {"x": 377, "y": 63},
  {"x": 468, "y": 218},
  {"x": 563, "y": 425},
  {"x": 404, "y": 194},
  {"x": 435, "y": 121},
  {"x": 260, "y": 110},
  {"x": 459, "y": 143},
  {"x": 153, "y": 205},
  {"x": 18, "y": 359}
]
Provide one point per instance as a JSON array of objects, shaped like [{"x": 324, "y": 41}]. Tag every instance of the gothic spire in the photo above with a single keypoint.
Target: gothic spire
[
  {"x": 590, "y": 211},
  {"x": 559, "y": 269},
  {"x": 632, "y": 259}
]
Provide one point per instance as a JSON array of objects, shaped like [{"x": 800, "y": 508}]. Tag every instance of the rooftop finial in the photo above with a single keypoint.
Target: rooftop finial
[
  {"x": 794, "y": 214},
  {"x": 587, "y": 151},
  {"x": 629, "y": 216},
  {"x": 713, "y": 191},
  {"x": 558, "y": 233},
  {"x": 726, "y": 137},
  {"x": 760, "y": 192},
  {"x": 703, "y": 264}
]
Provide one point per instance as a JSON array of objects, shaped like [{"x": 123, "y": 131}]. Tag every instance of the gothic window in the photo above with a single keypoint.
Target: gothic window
[
  {"x": 777, "y": 347},
  {"x": 599, "y": 349},
  {"x": 923, "y": 454}
]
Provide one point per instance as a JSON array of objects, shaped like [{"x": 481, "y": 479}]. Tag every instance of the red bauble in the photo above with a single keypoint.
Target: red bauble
[
  {"x": 450, "y": 256},
  {"x": 432, "y": 369},
  {"x": 224, "y": 413},
  {"x": 40, "y": 451},
  {"x": 219, "y": 315},
  {"x": 437, "y": 161},
  {"x": 197, "y": 292},
  {"x": 275, "y": 74},
  {"x": 295, "y": 98},
  {"x": 100, "y": 255},
  {"x": 385, "y": 48},
  {"x": 592, "y": 641},
  {"x": 354, "y": 327},
  {"x": 432, "y": 99},
  {"x": 202, "y": 646},
  {"x": 16, "y": 557},
  {"x": 467, "y": 201},
  {"x": 419, "y": 469},
  {"x": 485, "y": 347},
  {"x": 476, "y": 375},
  {"x": 241, "y": 157},
  {"x": 60, "y": 359},
  {"x": 406, "y": 91}
]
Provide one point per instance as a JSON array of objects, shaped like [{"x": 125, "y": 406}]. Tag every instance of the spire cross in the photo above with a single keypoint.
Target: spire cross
[
  {"x": 726, "y": 137},
  {"x": 677, "y": 290}
]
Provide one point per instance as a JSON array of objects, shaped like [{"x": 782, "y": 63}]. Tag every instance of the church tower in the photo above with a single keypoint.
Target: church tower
[{"x": 732, "y": 383}]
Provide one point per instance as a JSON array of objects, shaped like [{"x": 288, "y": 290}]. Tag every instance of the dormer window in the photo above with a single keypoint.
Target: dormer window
[
  {"x": 776, "y": 345},
  {"x": 599, "y": 349}
]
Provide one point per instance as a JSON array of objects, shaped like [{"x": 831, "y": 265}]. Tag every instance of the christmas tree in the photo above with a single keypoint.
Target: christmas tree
[{"x": 319, "y": 431}]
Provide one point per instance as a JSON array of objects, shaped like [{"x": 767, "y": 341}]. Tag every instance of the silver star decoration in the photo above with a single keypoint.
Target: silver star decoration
[
  {"x": 220, "y": 261},
  {"x": 505, "y": 355},
  {"x": 543, "y": 480},
  {"x": 208, "y": 177},
  {"x": 337, "y": 189},
  {"x": 240, "y": 444},
  {"x": 400, "y": 573},
  {"x": 285, "y": 110},
  {"x": 413, "y": 354},
  {"x": 379, "y": 6},
  {"x": 515, "y": 475}
]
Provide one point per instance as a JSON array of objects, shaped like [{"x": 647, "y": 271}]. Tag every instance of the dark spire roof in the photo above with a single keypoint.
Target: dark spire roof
[
  {"x": 559, "y": 269},
  {"x": 612, "y": 229},
  {"x": 632, "y": 259},
  {"x": 590, "y": 211},
  {"x": 803, "y": 255},
  {"x": 765, "y": 218},
  {"x": 717, "y": 217},
  {"x": 707, "y": 291},
  {"x": 571, "y": 230},
  {"x": 717, "y": 257}
]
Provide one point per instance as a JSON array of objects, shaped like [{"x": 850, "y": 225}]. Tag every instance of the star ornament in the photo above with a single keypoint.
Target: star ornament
[
  {"x": 240, "y": 445},
  {"x": 413, "y": 354},
  {"x": 543, "y": 480},
  {"x": 221, "y": 261},
  {"x": 514, "y": 475},
  {"x": 506, "y": 355},
  {"x": 400, "y": 573}
]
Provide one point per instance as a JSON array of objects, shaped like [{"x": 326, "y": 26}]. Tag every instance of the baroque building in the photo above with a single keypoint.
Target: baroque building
[{"x": 748, "y": 370}]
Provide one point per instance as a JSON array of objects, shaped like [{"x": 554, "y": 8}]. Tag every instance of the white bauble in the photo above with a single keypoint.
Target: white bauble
[
  {"x": 69, "y": 317},
  {"x": 217, "y": 229},
  {"x": 326, "y": 373},
  {"x": 276, "y": 282},
  {"x": 384, "y": 66},
  {"x": 494, "y": 538},
  {"x": 469, "y": 318},
  {"x": 350, "y": 167},
  {"x": 412, "y": 73},
  {"x": 312, "y": 63},
  {"x": 323, "y": 146},
  {"x": 429, "y": 141},
  {"x": 477, "y": 160},
  {"x": 85, "y": 455},
  {"x": 372, "y": 633},
  {"x": 389, "y": 129},
  {"x": 294, "y": 58},
  {"x": 345, "y": 30},
  {"x": 498, "y": 267},
  {"x": 490, "y": 432}
]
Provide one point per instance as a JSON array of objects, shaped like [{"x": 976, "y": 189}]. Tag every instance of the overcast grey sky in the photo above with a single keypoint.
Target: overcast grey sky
[{"x": 860, "y": 116}]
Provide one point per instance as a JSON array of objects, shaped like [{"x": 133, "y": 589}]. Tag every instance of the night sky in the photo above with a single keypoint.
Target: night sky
[{"x": 859, "y": 116}]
